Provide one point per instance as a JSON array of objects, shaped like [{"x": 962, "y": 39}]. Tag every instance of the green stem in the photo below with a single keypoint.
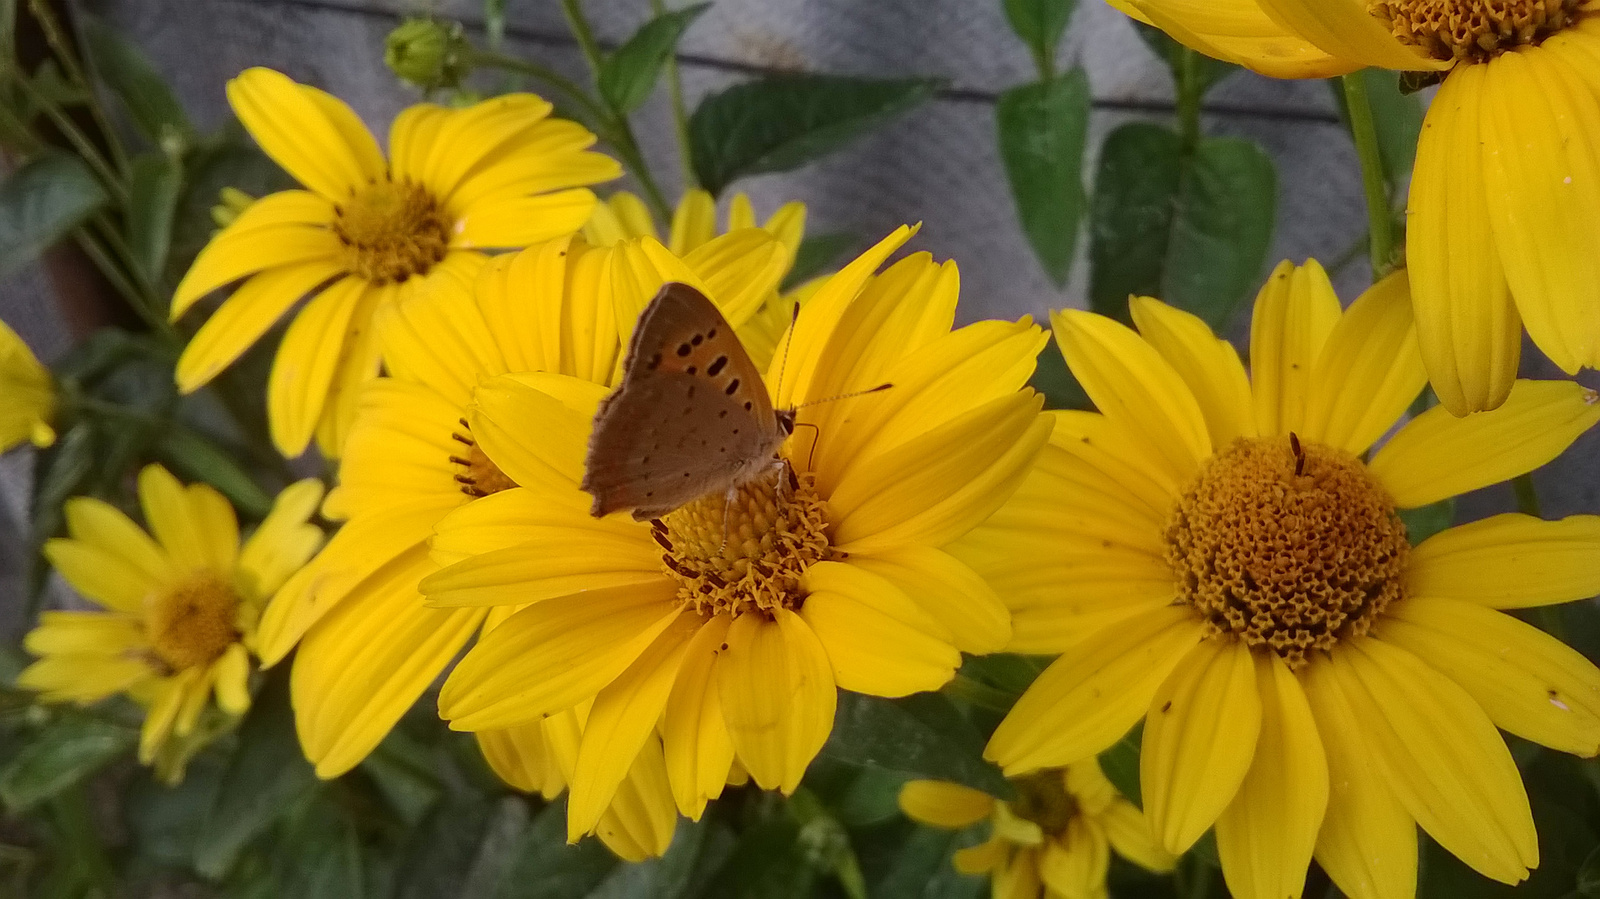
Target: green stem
[
  {"x": 583, "y": 34},
  {"x": 1190, "y": 94},
  {"x": 56, "y": 37},
  {"x": 110, "y": 179},
  {"x": 569, "y": 88},
  {"x": 108, "y": 266},
  {"x": 680, "y": 113},
  {"x": 1374, "y": 183}
]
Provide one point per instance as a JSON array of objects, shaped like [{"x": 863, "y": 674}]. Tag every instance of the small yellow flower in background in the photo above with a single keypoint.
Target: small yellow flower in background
[
  {"x": 180, "y": 603},
  {"x": 367, "y": 232},
  {"x": 27, "y": 394},
  {"x": 737, "y": 645},
  {"x": 1505, "y": 198},
  {"x": 1055, "y": 839},
  {"x": 1220, "y": 556}
]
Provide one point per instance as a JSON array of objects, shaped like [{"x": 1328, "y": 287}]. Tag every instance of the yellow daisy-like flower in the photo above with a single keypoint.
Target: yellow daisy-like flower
[
  {"x": 1506, "y": 191},
  {"x": 180, "y": 609},
  {"x": 1053, "y": 841},
  {"x": 732, "y": 622},
  {"x": 27, "y": 394},
  {"x": 367, "y": 232},
  {"x": 1221, "y": 557}
]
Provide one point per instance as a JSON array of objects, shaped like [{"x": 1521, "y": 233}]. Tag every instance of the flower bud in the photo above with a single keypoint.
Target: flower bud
[{"x": 428, "y": 53}]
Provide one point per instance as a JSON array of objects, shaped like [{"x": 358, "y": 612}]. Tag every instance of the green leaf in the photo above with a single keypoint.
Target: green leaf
[
  {"x": 1121, "y": 764},
  {"x": 194, "y": 458},
  {"x": 768, "y": 862},
  {"x": 781, "y": 122},
  {"x": 153, "y": 189},
  {"x": 916, "y": 863},
  {"x": 546, "y": 867},
  {"x": 1203, "y": 69},
  {"x": 1052, "y": 378},
  {"x": 1587, "y": 882},
  {"x": 321, "y": 857},
  {"x": 163, "y": 818},
  {"x": 1426, "y": 521},
  {"x": 921, "y": 736},
  {"x": 826, "y": 843},
  {"x": 403, "y": 769},
  {"x": 628, "y": 76},
  {"x": 41, "y": 203},
  {"x": 147, "y": 97},
  {"x": 1191, "y": 230},
  {"x": 1039, "y": 23},
  {"x": 1043, "y": 128},
  {"x": 64, "y": 753},
  {"x": 266, "y": 776},
  {"x": 436, "y": 860},
  {"x": 817, "y": 254}
]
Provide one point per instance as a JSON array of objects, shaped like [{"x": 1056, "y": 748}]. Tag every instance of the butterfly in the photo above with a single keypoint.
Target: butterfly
[{"x": 690, "y": 418}]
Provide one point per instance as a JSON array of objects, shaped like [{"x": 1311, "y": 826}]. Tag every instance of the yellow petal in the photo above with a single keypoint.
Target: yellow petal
[
  {"x": 948, "y": 591},
  {"x": 1129, "y": 832},
  {"x": 521, "y": 757},
  {"x": 314, "y": 136},
  {"x": 1467, "y": 328},
  {"x": 84, "y": 677},
  {"x": 1529, "y": 683},
  {"x": 102, "y": 576},
  {"x": 1266, "y": 836},
  {"x": 641, "y": 820},
  {"x": 778, "y": 696},
  {"x": 309, "y": 357},
  {"x": 241, "y": 320},
  {"x": 1075, "y": 862},
  {"x": 1443, "y": 757},
  {"x": 165, "y": 704},
  {"x": 1368, "y": 841},
  {"x": 1205, "y": 362},
  {"x": 516, "y": 222},
  {"x": 788, "y": 224},
  {"x": 1437, "y": 456},
  {"x": 533, "y": 436},
  {"x": 1199, "y": 738},
  {"x": 1240, "y": 32},
  {"x": 1346, "y": 30},
  {"x": 231, "y": 679},
  {"x": 1294, "y": 314},
  {"x": 943, "y": 804},
  {"x": 194, "y": 524},
  {"x": 437, "y": 336},
  {"x": 877, "y": 639},
  {"x": 1509, "y": 561},
  {"x": 1369, "y": 372},
  {"x": 549, "y": 562},
  {"x": 285, "y": 540},
  {"x": 357, "y": 365},
  {"x": 85, "y": 633},
  {"x": 693, "y": 223},
  {"x": 693, "y": 733},
  {"x": 982, "y": 858},
  {"x": 1086, "y": 701},
  {"x": 741, "y": 270},
  {"x": 467, "y": 136},
  {"x": 398, "y": 451}
]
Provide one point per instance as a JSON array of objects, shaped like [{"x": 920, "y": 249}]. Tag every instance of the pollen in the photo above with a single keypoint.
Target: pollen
[
  {"x": 192, "y": 624},
  {"x": 475, "y": 471},
  {"x": 1043, "y": 799},
  {"x": 746, "y": 551},
  {"x": 391, "y": 231},
  {"x": 1286, "y": 546},
  {"x": 1473, "y": 30}
]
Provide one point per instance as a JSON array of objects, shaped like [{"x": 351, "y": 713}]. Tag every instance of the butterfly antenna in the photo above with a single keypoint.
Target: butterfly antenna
[
  {"x": 845, "y": 396},
  {"x": 788, "y": 339}
]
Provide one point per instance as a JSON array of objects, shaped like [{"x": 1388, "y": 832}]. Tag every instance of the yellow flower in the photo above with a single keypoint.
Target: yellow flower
[
  {"x": 1220, "y": 557},
  {"x": 1506, "y": 191},
  {"x": 834, "y": 578},
  {"x": 180, "y": 610},
  {"x": 1054, "y": 839},
  {"x": 27, "y": 394},
  {"x": 368, "y": 232}
]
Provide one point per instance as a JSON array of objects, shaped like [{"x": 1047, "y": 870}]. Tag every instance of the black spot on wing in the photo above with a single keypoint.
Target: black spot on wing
[
  {"x": 684, "y": 349},
  {"x": 715, "y": 368},
  {"x": 733, "y": 387}
]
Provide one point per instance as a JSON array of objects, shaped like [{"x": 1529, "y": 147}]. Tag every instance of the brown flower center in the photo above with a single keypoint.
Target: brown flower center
[
  {"x": 475, "y": 471},
  {"x": 1473, "y": 30},
  {"x": 1286, "y": 546},
  {"x": 746, "y": 552},
  {"x": 191, "y": 624},
  {"x": 391, "y": 231},
  {"x": 1043, "y": 799}
]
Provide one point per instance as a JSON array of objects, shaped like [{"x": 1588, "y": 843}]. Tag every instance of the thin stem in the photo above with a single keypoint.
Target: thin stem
[
  {"x": 1190, "y": 94},
  {"x": 1044, "y": 62},
  {"x": 54, "y": 35},
  {"x": 583, "y": 34},
  {"x": 108, "y": 266},
  {"x": 1380, "y": 216},
  {"x": 680, "y": 113},
  {"x": 979, "y": 694},
  {"x": 85, "y": 148},
  {"x": 571, "y": 89}
]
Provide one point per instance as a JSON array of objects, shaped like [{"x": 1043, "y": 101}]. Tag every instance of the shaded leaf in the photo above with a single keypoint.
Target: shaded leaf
[
  {"x": 320, "y": 857},
  {"x": 921, "y": 736},
  {"x": 1039, "y": 23},
  {"x": 195, "y": 458},
  {"x": 766, "y": 863},
  {"x": 1121, "y": 764},
  {"x": 1424, "y": 522},
  {"x": 153, "y": 189},
  {"x": 1205, "y": 70},
  {"x": 147, "y": 97},
  {"x": 904, "y": 861},
  {"x": 783, "y": 121},
  {"x": 545, "y": 867},
  {"x": 42, "y": 202},
  {"x": 818, "y": 254},
  {"x": 1130, "y": 223},
  {"x": 1043, "y": 128},
  {"x": 58, "y": 757},
  {"x": 437, "y": 858},
  {"x": 628, "y": 76}
]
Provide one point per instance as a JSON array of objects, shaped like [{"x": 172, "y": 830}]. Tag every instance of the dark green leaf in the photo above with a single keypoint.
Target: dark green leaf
[
  {"x": 1121, "y": 764},
  {"x": 54, "y": 87},
  {"x": 58, "y": 757},
  {"x": 817, "y": 255},
  {"x": 153, "y": 189},
  {"x": 1587, "y": 882},
  {"x": 163, "y": 818},
  {"x": 195, "y": 458},
  {"x": 150, "y": 102},
  {"x": 1039, "y": 23},
  {"x": 781, "y": 122},
  {"x": 1042, "y": 132},
  {"x": 321, "y": 856},
  {"x": 1130, "y": 224},
  {"x": 403, "y": 770},
  {"x": 1052, "y": 378},
  {"x": 921, "y": 736},
  {"x": 767, "y": 863},
  {"x": 436, "y": 860},
  {"x": 546, "y": 867},
  {"x": 499, "y": 849},
  {"x": 628, "y": 76},
  {"x": 918, "y": 863},
  {"x": 265, "y": 777},
  {"x": 230, "y": 162},
  {"x": 41, "y": 203},
  {"x": 1183, "y": 62},
  {"x": 1426, "y": 521}
]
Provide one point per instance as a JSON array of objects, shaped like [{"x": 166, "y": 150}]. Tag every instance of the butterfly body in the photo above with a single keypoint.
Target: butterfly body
[{"x": 691, "y": 416}]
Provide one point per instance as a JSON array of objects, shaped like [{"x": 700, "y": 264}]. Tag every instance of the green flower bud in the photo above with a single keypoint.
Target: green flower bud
[{"x": 428, "y": 53}]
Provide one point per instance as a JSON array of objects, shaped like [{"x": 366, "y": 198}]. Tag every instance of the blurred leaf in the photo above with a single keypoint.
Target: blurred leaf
[
  {"x": 403, "y": 770},
  {"x": 194, "y": 458},
  {"x": 1043, "y": 128},
  {"x": 103, "y": 351},
  {"x": 826, "y": 842},
  {"x": 52, "y": 86},
  {"x": 265, "y": 777},
  {"x": 71, "y": 748},
  {"x": 766, "y": 863},
  {"x": 494, "y": 23},
  {"x": 906, "y": 861},
  {"x": 499, "y": 849},
  {"x": 1039, "y": 23},
  {"x": 1121, "y": 764},
  {"x": 817, "y": 255},
  {"x": 783, "y": 121},
  {"x": 153, "y": 188},
  {"x": 321, "y": 856},
  {"x": 225, "y": 161},
  {"x": 436, "y": 860},
  {"x": 167, "y": 821},
  {"x": 1052, "y": 378},
  {"x": 1193, "y": 231},
  {"x": 921, "y": 736},
  {"x": 546, "y": 867},
  {"x": 42, "y": 202},
  {"x": 1206, "y": 71},
  {"x": 1426, "y": 521},
  {"x": 1587, "y": 882},
  {"x": 628, "y": 76},
  {"x": 125, "y": 71}
]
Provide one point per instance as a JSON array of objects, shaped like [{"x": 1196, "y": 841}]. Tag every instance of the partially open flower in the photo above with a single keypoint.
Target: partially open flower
[{"x": 27, "y": 394}]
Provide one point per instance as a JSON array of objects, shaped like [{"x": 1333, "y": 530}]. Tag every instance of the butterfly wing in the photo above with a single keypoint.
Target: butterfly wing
[{"x": 691, "y": 416}]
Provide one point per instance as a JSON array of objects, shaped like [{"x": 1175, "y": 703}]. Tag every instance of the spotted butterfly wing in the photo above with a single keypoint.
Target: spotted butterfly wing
[{"x": 691, "y": 416}]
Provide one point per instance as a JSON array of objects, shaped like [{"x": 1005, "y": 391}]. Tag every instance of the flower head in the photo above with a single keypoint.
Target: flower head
[
  {"x": 27, "y": 394},
  {"x": 1220, "y": 556},
  {"x": 1506, "y": 191},
  {"x": 733, "y": 620},
  {"x": 1054, "y": 839},
  {"x": 179, "y": 604},
  {"x": 367, "y": 232}
]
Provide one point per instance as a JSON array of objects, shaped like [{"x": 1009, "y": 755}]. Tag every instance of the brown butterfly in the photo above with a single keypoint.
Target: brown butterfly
[{"x": 691, "y": 416}]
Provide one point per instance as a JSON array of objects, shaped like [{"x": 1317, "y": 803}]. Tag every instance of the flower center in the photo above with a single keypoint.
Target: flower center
[
  {"x": 1043, "y": 799},
  {"x": 746, "y": 552},
  {"x": 1473, "y": 30},
  {"x": 391, "y": 231},
  {"x": 476, "y": 472},
  {"x": 1286, "y": 546},
  {"x": 191, "y": 624}
]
